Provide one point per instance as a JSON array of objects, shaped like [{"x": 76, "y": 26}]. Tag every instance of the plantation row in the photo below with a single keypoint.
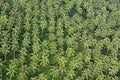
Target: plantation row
[{"x": 59, "y": 40}]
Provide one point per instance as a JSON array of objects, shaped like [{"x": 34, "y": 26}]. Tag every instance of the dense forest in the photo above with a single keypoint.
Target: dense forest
[{"x": 59, "y": 39}]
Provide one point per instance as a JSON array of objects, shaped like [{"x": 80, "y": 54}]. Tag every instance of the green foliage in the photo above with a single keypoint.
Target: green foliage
[{"x": 59, "y": 40}]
